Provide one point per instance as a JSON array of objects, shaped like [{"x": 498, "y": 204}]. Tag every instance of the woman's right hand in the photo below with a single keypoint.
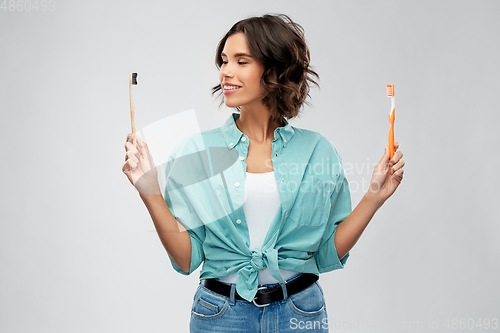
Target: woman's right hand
[{"x": 139, "y": 166}]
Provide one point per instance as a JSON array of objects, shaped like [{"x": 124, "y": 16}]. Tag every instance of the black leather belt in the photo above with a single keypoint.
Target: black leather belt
[{"x": 264, "y": 295}]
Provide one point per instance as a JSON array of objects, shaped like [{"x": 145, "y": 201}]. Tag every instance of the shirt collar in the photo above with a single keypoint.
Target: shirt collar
[{"x": 232, "y": 134}]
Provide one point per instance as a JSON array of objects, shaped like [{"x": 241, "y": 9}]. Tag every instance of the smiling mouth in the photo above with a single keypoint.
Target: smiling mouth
[
  {"x": 231, "y": 87},
  {"x": 230, "y": 91}
]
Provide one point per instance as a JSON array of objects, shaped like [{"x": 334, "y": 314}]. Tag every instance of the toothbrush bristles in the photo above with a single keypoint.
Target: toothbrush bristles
[
  {"x": 134, "y": 79},
  {"x": 390, "y": 90}
]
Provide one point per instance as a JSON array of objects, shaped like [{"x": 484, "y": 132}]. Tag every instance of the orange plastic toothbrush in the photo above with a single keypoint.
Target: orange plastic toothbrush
[
  {"x": 392, "y": 117},
  {"x": 132, "y": 81}
]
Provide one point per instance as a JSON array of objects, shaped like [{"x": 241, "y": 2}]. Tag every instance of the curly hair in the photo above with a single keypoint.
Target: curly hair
[{"x": 279, "y": 44}]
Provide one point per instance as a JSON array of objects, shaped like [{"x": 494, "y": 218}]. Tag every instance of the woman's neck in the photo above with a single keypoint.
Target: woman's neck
[{"x": 256, "y": 124}]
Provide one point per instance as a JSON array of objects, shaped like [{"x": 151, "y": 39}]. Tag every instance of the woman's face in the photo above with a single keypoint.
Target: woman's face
[{"x": 240, "y": 69}]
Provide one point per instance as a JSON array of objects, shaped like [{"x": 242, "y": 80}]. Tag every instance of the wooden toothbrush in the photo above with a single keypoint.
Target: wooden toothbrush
[{"x": 132, "y": 81}]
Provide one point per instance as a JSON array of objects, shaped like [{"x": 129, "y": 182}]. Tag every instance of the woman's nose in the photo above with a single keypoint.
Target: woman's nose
[{"x": 226, "y": 70}]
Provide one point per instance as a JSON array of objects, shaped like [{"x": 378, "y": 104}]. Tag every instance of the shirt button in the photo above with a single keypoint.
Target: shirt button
[
  {"x": 284, "y": 139},
  {"x": 231, "y": 144},
  {"x": 243, "y": 139},
  {"x": 237, "y": 184},
  {"x": 241, "y": 158},
  {"x": 282, "y": 180},
  {"x": 238, "y": 221}
]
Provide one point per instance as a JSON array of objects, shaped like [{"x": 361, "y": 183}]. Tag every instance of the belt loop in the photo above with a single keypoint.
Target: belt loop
[
  {"x": 285, "y": 294},
  {"x": 231, "y": 295}
]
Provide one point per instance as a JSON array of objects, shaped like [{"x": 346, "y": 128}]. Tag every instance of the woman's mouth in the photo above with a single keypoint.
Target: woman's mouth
[{"x": 230, "y": 89}]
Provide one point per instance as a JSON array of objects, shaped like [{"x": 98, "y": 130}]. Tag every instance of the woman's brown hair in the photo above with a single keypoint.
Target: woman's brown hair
[{"x": 279, "y": 44}]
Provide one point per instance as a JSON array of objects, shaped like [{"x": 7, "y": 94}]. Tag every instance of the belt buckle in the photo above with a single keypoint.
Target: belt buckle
[{"x": 258, "y": 305}]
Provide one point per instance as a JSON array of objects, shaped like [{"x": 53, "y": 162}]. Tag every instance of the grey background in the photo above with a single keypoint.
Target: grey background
[{"x": 77, "y": 248}]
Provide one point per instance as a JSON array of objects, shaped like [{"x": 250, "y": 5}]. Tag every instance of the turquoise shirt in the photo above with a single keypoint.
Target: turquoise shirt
[{"x": 205, "y": 192}]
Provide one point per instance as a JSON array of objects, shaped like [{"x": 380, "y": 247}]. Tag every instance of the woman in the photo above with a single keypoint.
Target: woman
[{"x": 264, "y": 205}]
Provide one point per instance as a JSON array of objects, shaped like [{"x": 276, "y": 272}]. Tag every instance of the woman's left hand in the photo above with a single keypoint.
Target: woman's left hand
[{"x": 387, "y": 174}]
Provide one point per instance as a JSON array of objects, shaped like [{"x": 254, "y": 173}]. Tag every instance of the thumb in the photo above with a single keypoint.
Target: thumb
[{"x": 386, "y": 157}]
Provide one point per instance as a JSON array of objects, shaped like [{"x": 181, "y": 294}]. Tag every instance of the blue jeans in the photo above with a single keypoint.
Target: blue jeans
[{"x": 302, "y": 312}]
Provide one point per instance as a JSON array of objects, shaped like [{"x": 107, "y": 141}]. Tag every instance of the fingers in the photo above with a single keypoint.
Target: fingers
[
  {"x": 136, "y": 149},
  {"x": 131, "y": 161},
  {"x": 140, "y": 144},
  {"x": 398, "y": 165},
  {"x": 130, "y": 151},
  {"x": 139, "y": 153},
  {"x": 392, "y": 165},
  {"x": 133, "y": 164},
  {"x": 397, "y": 156},
  {"x": 130, "y": 146},
  {"x": 130, "y": 137},
  {"x": 398, "y": 175},
  {"x": 129, "y": 166},
  {"x": 143, "y": 148},
  {"x": 125, "y": 167},
  {"x": 130, "y": 156}
]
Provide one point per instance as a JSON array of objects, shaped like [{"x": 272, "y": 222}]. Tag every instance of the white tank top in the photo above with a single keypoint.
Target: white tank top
[{"x": 261, "y": 203}]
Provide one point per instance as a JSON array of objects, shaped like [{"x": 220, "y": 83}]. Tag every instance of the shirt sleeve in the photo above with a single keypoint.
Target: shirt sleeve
[
  {"x": 326, "y": 257},
  {"x": 180, "y": 207}
]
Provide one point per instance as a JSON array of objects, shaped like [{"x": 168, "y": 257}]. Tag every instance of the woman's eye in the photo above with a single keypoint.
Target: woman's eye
[{"x": 241, "y": 63}]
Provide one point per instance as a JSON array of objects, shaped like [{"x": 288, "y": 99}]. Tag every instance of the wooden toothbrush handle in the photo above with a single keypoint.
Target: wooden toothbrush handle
[{"x": 132, "y": 110}]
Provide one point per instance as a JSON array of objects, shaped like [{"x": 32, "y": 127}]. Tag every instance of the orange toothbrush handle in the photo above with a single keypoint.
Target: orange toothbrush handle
[{"x": 392, "y": 117}]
